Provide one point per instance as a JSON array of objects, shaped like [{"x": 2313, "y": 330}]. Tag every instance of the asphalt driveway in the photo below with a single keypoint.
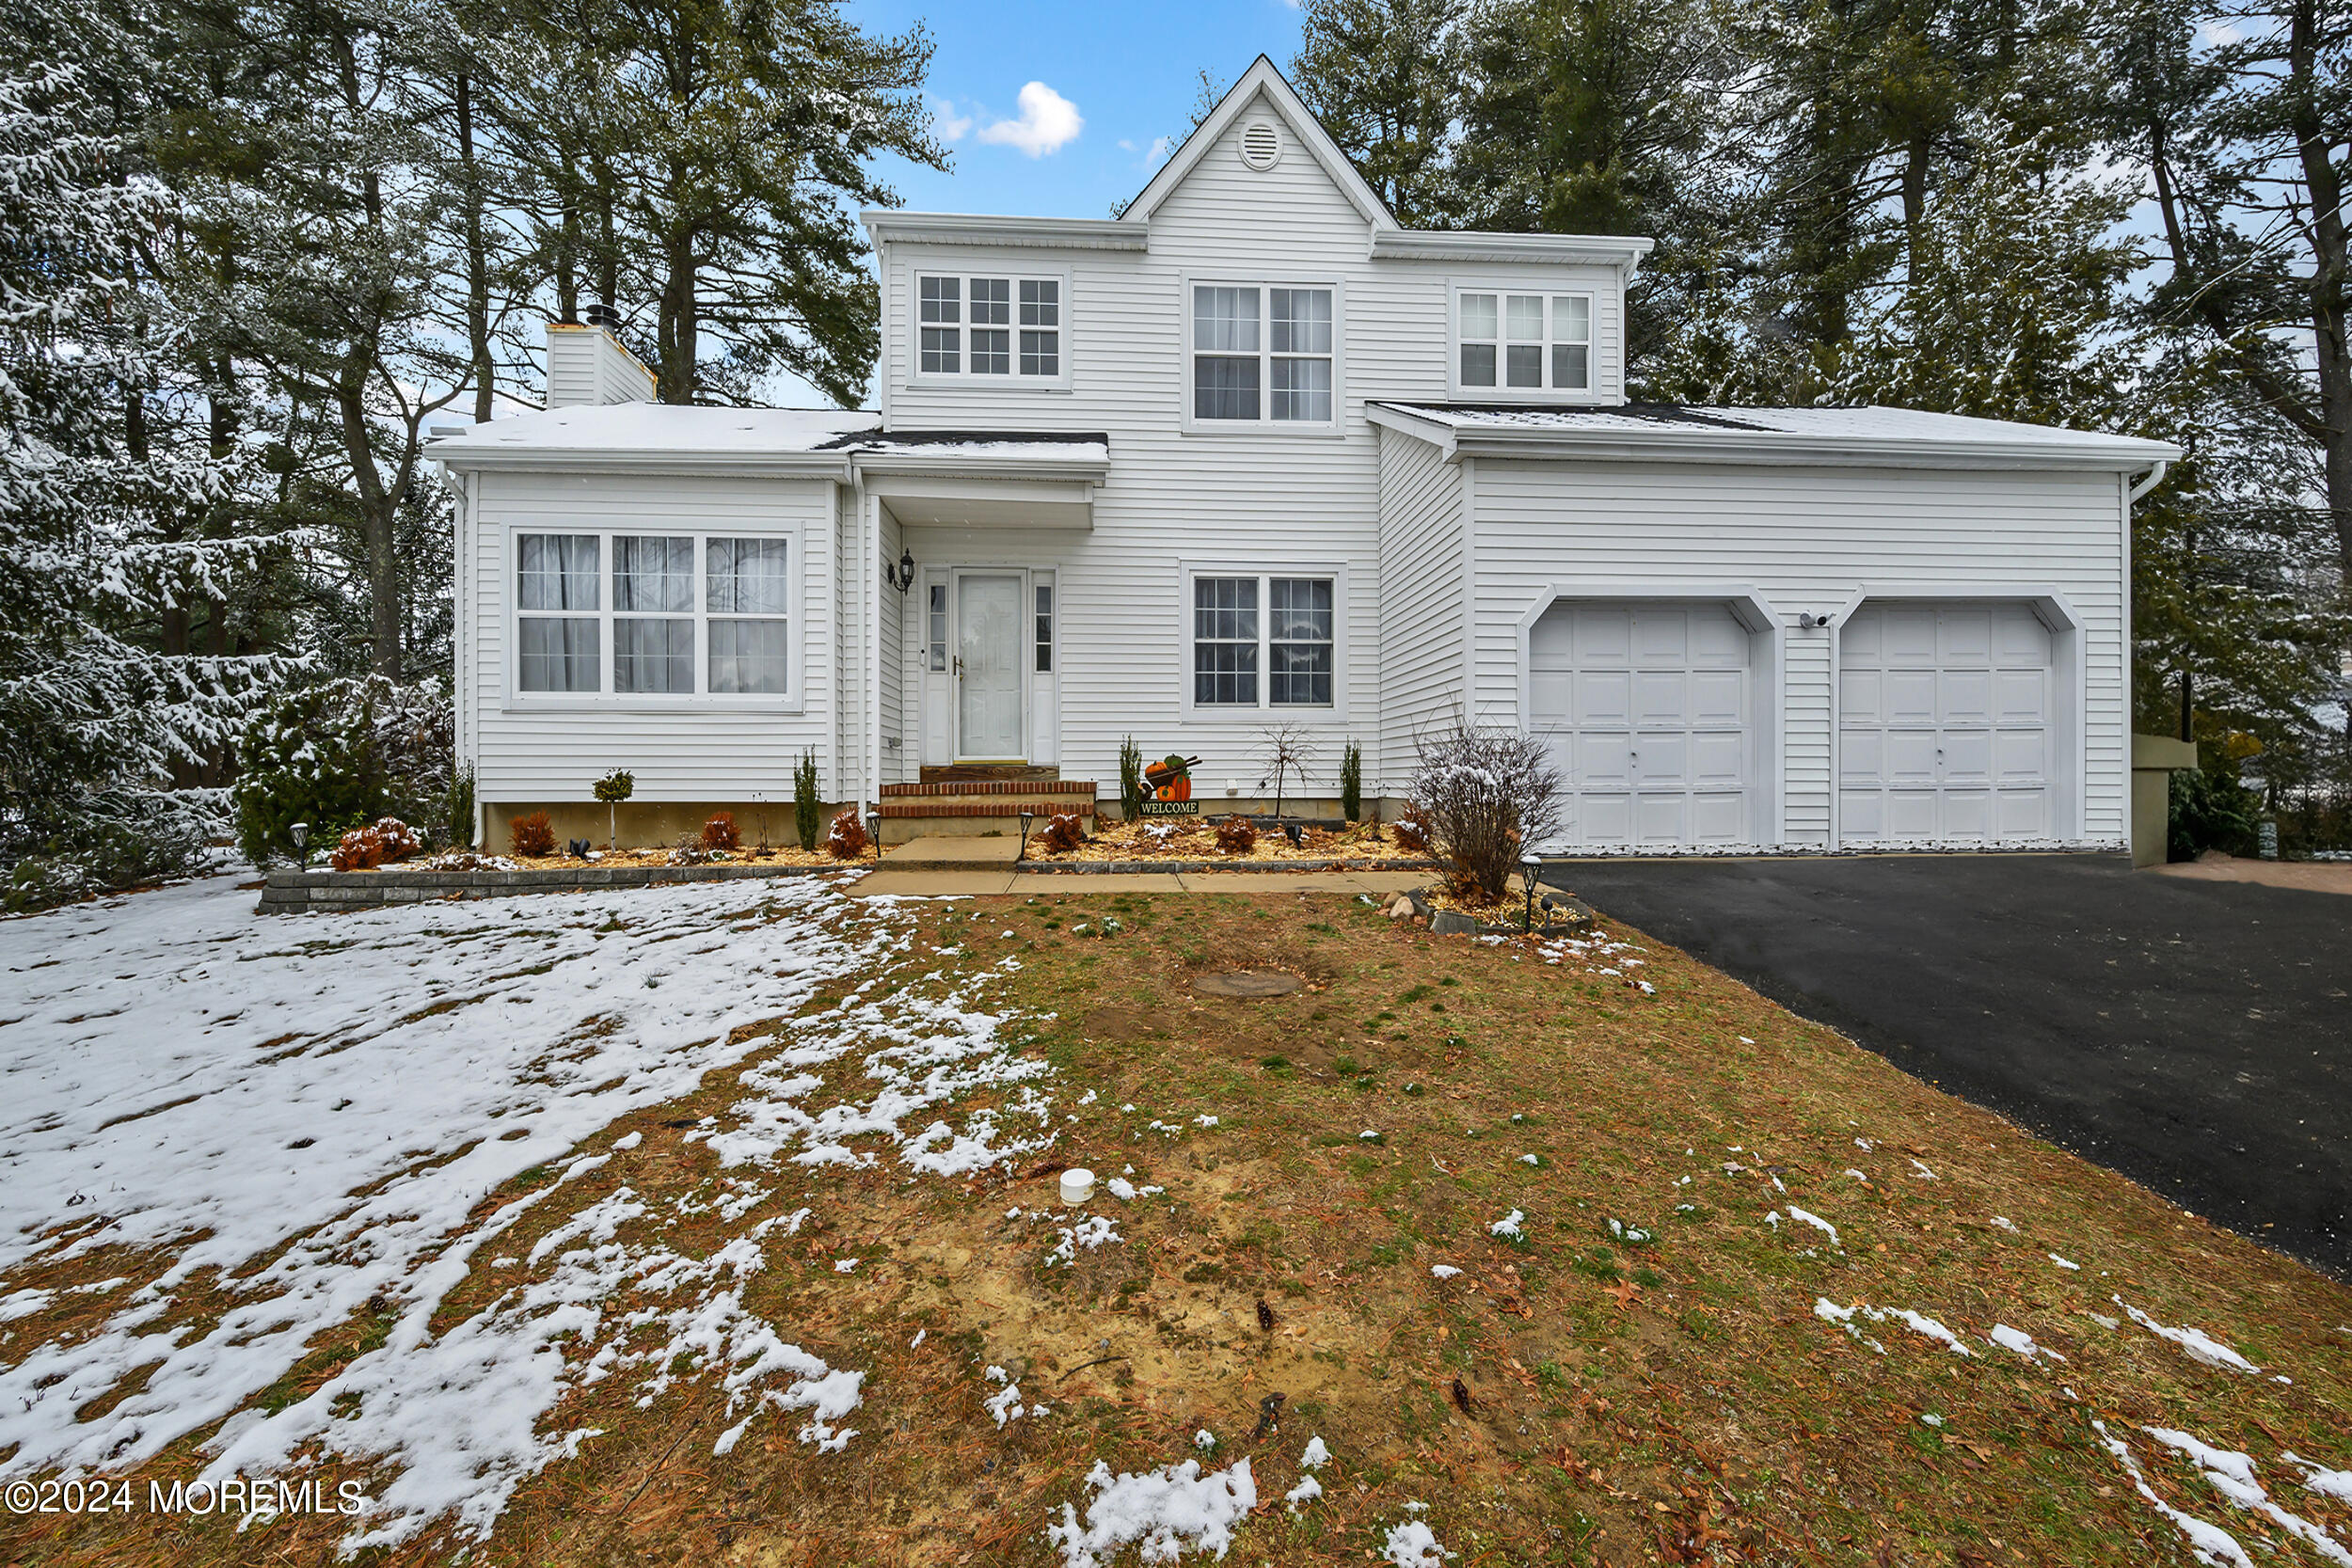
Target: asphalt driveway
[{"x": 2196, "y": 1036}]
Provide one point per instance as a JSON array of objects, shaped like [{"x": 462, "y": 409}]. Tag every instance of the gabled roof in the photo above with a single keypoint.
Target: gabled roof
[
  {"x": 1264, "y": 79},
  {"x": 1666, "y": 432}
]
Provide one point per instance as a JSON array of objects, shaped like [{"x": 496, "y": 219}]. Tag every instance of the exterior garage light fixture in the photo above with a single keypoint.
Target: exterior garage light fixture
[{"x": 900, "y": 576}]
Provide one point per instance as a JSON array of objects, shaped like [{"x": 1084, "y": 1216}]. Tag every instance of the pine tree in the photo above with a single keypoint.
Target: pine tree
[
  {"x": 97, "y": 722},
  {"x": 1385, "y": 78}
]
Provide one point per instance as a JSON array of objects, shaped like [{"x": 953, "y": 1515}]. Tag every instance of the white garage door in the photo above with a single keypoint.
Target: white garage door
[
  {"x": 1943, "y": 723},
  {"x": 1644, "y": 706}
]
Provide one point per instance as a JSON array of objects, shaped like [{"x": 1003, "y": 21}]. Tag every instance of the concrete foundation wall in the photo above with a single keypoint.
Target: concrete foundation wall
[{"x": 642, "y": 824}]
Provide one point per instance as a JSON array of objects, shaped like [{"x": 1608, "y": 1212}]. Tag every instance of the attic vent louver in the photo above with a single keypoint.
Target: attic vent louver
[{"x": 1259, "y": 146}]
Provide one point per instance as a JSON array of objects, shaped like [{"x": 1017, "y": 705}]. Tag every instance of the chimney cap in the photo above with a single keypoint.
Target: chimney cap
[{"x": 601, "y": 315}]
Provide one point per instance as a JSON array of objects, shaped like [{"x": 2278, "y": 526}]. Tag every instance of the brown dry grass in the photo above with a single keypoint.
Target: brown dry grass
[{"x": 1675, "y": 1399}]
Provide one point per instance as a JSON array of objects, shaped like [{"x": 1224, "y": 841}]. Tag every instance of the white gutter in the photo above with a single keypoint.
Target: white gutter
[
  {"x": 1470, "y": 244},
  {"x": 750, "y": 460},
  {"x": 888, "y": 226},
  {"x": 2141, "y": 486}
]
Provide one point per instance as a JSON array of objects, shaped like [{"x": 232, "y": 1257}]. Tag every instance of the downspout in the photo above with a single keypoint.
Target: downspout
[
  {"x": 874, "y": 656},
  {"x": 2141, "y": 487}
]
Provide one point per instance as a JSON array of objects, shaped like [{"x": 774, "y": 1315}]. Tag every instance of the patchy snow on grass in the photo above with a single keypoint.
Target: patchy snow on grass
[
  {"x": 2232, "y": 1474},
  {"x": 1414, "y": 1545},
  {"x": 2066, "y": 1263},
  {"x": 2319, "y": 1479},
  {"x": 2211, "y": 1544},
  {"x": 1090, "y": 1233},
  {"x": 1925, "y": 1327},
  {"x": 1164, "y": 1511},
  {"x": 1509, "y": 1225},
  {"x": 1314, "y": 1456},
  {"x": 1307, "y": 1491},
  {"x": 1443, "y": 1271},
  {"x": 1816, "y": 1222},
  {"x": 2199, "y": 1345},
  {"x": 306, "y": 1112},
  {"x": 2021, "y": 1343}
]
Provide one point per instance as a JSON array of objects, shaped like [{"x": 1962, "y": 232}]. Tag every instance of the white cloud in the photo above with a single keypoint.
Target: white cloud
[
  {"x": 1152, "y": 156},
  {"x": 1048, "y": 122},
  {"x": 947, "y": 124}
]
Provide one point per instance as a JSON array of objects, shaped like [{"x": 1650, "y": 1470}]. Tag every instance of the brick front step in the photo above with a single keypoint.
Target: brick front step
[
  {"x": 895, "y": 808},
  {"x": 974, "y": 790}
]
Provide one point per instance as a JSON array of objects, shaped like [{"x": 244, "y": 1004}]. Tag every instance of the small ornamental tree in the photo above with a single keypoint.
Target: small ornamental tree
[
  {"x": 612, "y": 789},
  {"x": 1352, "y": 782},
  {"x": 1486, "y": 792},
  {"x": 1286, "y": 750},
  {"x": 808, "y": 811},
  {"x": 1130, "y": 777}
]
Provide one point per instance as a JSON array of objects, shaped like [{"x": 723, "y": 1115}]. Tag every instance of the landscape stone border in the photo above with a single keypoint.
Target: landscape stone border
[
  {"x": 296, "y": 892},
  {"x": 1185, "y": 867}
]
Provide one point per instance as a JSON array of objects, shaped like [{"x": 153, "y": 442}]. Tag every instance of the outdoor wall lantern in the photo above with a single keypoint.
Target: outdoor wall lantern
[
  {"x": 900, "y": 576},
  {"x": 300, "y": 834},
  {"x": 1530, "y": 868}
]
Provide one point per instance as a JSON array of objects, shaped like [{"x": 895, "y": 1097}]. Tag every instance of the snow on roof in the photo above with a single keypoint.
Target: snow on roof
[
  {"x": 792, "y": 437},
  {"x": 1860, "y": 430}
]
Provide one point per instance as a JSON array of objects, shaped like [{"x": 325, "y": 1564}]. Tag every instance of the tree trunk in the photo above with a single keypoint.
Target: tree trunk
[
  {"x": 678, "y": 329},
  {"x": 2329, "y": 276},
  {"x": 379, "y": 509},
  {"x": 477, "y": 261}
]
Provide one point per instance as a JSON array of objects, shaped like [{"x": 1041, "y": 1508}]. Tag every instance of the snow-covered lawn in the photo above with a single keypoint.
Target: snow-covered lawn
[{"x": 295, "y": 1121}]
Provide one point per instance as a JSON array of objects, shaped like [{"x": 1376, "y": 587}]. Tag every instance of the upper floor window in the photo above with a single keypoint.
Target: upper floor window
[
  {"x": 971, "y": 324},
  {"x": 1525, "y": 343},
  {"x": 686, "y": 615},
  {"x": 1261, "y": 354}
]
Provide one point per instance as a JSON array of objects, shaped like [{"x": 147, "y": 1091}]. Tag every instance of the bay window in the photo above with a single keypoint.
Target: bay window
[
  {"x": 1524, "y": 341},
  {"x": 1280, "y": 628},
  {"x": 1263, "y": 354},
  {"x": 682, "y": 615}
]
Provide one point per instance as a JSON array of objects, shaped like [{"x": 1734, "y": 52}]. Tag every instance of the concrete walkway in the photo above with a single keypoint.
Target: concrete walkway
[
  {"x": 2305, "y": 876},
  {"x": 932, "y": 881}
]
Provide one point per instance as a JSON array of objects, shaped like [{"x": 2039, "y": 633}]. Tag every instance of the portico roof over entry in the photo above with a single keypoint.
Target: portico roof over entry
[{"x": 983, "y": 478}]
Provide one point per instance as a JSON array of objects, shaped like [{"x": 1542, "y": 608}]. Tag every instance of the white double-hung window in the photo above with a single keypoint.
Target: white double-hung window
[
  {"x": 1263, "y": 640},
  {"x": 1263, "y": 354},
  {"x": 652, "y": 616},
  {"x": 983, "y": 324},
  {"x": 1523, "y": 341}
]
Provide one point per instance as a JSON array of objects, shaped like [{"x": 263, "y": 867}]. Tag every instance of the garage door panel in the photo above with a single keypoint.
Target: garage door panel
[
  {"x": 1943, "y": 723},
  {"x": 1648, "y": 703},
  {"x": 2021, "y": 697},
  {"x": 1719, "y": 697},
  {"x": 2022, "y": 813},
  {"x": 1911, "y": 697},
  {"x": 1603, "y": 761},
  {"x": 1662, "y": 758},
  {"x": 1661, "y": 634},
  {"x": 1910, "y": 757},
  {"x": 1661, "y": 697},
  {"x": 1966, "y": 757},
  {"x": 1601, "y": 634},
  {"x": 1662, "y": 818},
  {"x": 1965, "y": 696},
  {"x": 1719, "y": 759}
]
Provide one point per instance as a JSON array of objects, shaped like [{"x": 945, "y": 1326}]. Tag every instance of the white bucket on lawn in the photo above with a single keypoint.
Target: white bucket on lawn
[{"x": 1077, "y": 1185}]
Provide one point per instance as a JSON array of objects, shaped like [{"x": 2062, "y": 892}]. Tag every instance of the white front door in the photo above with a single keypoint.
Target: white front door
[
  {"x": 1943, "y": 723},
  {"x": 991, "y": 715},
  {"x": 1644, "y": 706}
]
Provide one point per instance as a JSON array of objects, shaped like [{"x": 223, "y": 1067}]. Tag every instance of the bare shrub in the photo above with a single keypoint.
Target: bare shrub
[
  {"x": 1413, "y": 828},
  {"x": 846, "y": 840},
  {"x": 1483, "y": 793},
  {"x": 1063, "y": 832},
  {"x": 719, "y": 832},
  {"x": 1236, "y": 835},
  {"x": 532, "y": 835}
]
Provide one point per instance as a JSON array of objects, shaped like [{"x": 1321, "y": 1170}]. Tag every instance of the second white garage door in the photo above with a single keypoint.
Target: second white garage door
[
  {"x": 1943, "y": 723},
  {"x": 1646, "y": 708}
]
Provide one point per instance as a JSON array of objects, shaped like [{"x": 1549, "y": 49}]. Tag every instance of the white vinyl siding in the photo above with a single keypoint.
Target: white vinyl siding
[
  {"x": 530, "y": 747},
  {"x": 1810, "y": 540},
  {"x": 1423, "y": 625}
]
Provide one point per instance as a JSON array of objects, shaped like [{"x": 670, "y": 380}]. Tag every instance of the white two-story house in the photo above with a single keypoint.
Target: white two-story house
[{"x": 1253, "y": 456}]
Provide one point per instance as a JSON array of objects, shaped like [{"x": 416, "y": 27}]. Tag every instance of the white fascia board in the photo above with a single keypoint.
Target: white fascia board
[
  {"x": 949, "y": 464},
  {"x": 1263, "y": 77},
  {"x": 887, "y": 226},
  {"x": 1436, "y": 433},
  {"x": 1428, "y": 245},
  {"x": 649, "y": 460},
  {"x": 1780, "y": 448}
]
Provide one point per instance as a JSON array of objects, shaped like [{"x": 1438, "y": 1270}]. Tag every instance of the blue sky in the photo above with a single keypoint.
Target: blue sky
[{"x": 1127, "y": 73}]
